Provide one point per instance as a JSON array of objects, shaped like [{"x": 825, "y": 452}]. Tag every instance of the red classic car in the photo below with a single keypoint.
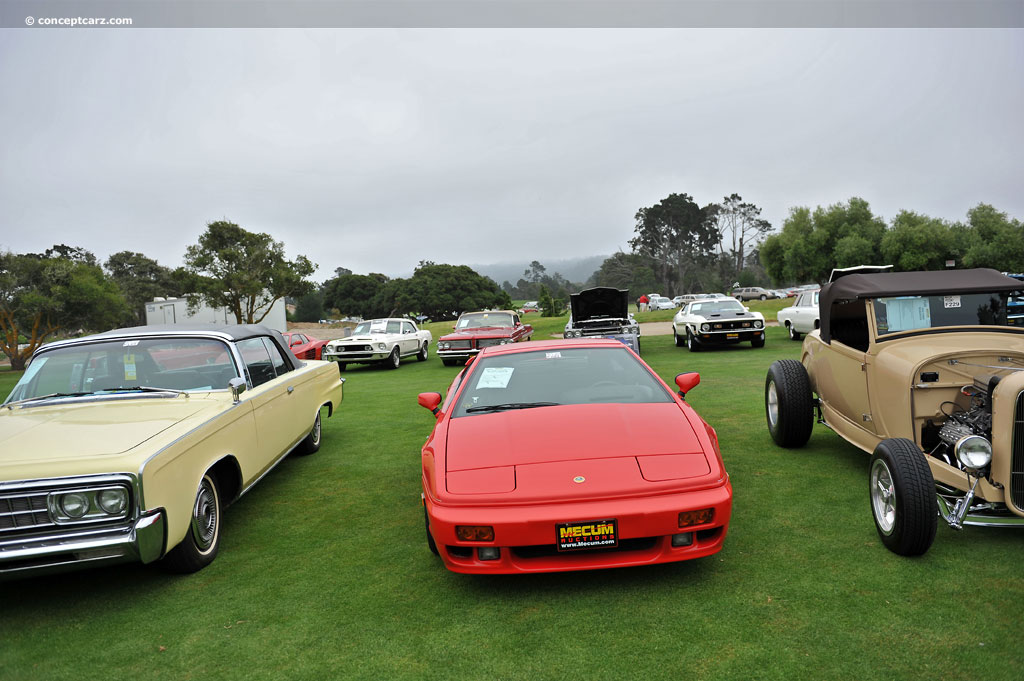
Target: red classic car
[
  {"x": 303, "y": 346},
  {"x": 477, "y": 330},
  {"x": 621, "y": 470}
]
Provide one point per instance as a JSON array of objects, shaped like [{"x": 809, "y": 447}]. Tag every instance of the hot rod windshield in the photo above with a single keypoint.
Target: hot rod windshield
[
  {"x": 543, "y": 378},
  {"x": 126, "y": 364},
  {"x": 911, "y": 313}
]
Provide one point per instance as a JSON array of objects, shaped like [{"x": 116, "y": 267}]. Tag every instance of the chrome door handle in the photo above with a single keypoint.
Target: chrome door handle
[{"x": 290, "y": 389}]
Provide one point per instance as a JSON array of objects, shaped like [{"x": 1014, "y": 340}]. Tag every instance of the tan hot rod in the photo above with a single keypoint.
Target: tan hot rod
[{"x": 921, "y": 370}]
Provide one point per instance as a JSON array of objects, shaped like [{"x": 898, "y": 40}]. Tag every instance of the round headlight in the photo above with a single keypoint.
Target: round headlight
[
  {"x": 974, "y": 452},
  {"x": 758, "y": 324},
  {"x": 74, "y": 505},
  {"x": 380, "y": 346},
  {"x": 112, "y": 501},
  {"x": 705, "y": 327}
]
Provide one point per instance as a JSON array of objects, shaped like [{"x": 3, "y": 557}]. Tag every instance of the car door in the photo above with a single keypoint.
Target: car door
[
  {"x": 410, "y": 343},
  {"x": 276, "y": 407}
]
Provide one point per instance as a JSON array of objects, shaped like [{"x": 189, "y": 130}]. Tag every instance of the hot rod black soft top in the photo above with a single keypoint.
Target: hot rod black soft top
[{"x": 890, "y": 284}]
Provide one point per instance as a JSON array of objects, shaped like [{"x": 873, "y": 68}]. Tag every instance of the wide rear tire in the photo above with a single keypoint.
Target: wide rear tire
[
  {"x": 902, "y": 493},
  {"x": 422, "y": 354},
  {"x": 788, "y": 403}
]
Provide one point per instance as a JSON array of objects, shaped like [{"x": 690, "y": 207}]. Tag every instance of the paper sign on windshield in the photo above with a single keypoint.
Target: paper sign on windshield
[{"x": 495, "y": 377}]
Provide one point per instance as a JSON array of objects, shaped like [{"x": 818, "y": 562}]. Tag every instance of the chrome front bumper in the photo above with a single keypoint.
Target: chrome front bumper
[
  {"x": 142, "y": 540},
  {"x": 353, "y": 357}
]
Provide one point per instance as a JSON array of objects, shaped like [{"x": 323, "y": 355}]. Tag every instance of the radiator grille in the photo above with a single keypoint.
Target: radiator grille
[
  {"x": 460, "y": 345},
  {"x": 732, "y": 326},
  {"x": 354, "y": 348},
  {"x": 488, "y": 342},
  {"x": 23, "y": 511},
  {"x": 1017, "y": 458}
]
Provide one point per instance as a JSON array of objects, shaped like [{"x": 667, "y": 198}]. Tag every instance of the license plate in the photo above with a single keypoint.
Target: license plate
[
  {"x": 587, "y": 534},
  {"x": 732, "y": 335}
]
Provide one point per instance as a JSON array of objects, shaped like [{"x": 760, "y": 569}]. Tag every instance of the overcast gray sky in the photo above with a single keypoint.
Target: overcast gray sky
[{"x": 373, "y": 149}]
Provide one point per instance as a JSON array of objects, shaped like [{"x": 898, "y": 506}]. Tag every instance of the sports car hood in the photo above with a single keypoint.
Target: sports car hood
[
  {"x": 536, "y": 453},
  {"x": 599, "y": 303},
  {"x": 66, "y": 430}
]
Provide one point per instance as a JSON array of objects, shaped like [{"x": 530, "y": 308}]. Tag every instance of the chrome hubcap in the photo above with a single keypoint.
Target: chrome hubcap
[
  {"x": 883, "y": 497},
  {"x": 316, "y": 430},
  {"x": 773, "y": 405},
  {"x": 205, "y": 516}
]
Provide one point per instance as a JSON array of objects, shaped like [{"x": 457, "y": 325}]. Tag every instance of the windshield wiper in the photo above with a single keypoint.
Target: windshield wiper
[
  {"x": 511, "y": 405},
  {"x": 37, "y": 398},
  {"x": 142, "y": 389}
]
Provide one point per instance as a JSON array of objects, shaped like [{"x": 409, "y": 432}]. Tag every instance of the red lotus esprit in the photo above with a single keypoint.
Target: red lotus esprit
[{"x": 570, "y": 455}]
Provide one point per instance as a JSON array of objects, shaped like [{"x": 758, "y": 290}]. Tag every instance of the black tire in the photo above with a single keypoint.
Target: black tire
[
  {"x": 739, "y": 298},
  {"x": 422, "y": 354},
  {"x": 788, "y": 403},
  {"x": 311, "y": 443},
  {"x": 793, "y": 333},
  {"x": 202, "y": 539},
  {"x": 393, "y": 359},
  {"x": 901, "y": 490},
  {"x": 691, "y": 342},
  {"x": 680, "y": 340},
  {"x": 764, "y": 297},
  {"x": 431, "y": 544},
  {"x": 757, "y": 342},
  {"x": 448, "y": 362}
]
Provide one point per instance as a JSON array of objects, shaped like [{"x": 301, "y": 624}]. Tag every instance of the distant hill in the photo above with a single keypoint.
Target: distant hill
[{"x": 576, "y": 270}]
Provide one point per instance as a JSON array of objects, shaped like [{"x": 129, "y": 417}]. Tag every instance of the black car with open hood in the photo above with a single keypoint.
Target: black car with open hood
[{"x": 601, "y": 311}]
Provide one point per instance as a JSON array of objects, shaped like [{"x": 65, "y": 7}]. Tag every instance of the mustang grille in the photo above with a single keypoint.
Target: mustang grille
[
  {"x": 1017, "y": 458},
  {"x": 23, "y": 511},
  {"x": 732, "y": 326},
  {"x": 354, "y": 348},
  {"x": 460, "y": 345}
]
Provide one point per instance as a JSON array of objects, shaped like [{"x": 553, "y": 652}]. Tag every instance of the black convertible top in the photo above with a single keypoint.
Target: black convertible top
[{"x": 889, "y": 284}]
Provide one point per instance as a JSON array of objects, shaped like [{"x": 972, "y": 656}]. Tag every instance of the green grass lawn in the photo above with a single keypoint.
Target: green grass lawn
[{"x": 324, "y": 573}]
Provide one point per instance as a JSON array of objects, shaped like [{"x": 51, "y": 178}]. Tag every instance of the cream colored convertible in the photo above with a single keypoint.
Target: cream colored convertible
[{"x": 127, "y": 445}]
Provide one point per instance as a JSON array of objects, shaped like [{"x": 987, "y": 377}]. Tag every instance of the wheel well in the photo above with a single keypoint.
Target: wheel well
[
  {"x": 330, "y": 409},
  {"x": 229, "y": 478}
]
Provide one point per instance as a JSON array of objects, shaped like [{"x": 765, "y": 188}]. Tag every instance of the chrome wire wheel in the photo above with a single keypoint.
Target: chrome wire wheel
[
  {"x": 205, "y": 525},
  {"x": 773, "y": 405},
  {"x": 883, "y": 497}
]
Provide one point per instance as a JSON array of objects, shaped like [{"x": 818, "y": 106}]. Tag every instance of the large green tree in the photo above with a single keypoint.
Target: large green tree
[
  {"x": 246, "y": 272},
  {"x": 811, "y": 244},
  {"x": 630, "y": 271},
  {"x": 445, "y": 291},
  {"x": 993, "y": 240},
  {"x": 141, "y": 279},
  {"x": 917, "y": 242},
  {"x": 353, "y": 294},
  {"x": 678, "y": 236},
  {"x": 42, "y": 297}
]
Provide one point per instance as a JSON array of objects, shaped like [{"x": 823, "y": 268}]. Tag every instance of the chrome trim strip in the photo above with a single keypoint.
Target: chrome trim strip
[{"x": 980, "y": 520}]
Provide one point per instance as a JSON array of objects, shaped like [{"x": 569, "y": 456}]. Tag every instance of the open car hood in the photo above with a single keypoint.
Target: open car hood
[{"x": 602, "y": 302}]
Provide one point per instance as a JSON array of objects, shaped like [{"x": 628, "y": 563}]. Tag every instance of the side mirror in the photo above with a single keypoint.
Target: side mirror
[
  {"x": 237, "y": 386},
  {"x": 687, "y": 382},
  {"x": 430, "y": 401}
]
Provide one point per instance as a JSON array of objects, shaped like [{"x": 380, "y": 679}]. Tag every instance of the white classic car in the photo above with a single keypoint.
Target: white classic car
[
  {"x": 380, "y": 341},
  {"x": 717, "y": 322},
  {"x": 802, "y": 316}
]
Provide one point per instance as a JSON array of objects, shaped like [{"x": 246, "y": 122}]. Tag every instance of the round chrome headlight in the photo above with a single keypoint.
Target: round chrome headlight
[
  {"x": 758, "y": 323},
  {"x": 442, "y": 346},
  {"x": 112, "y": 501},
  {"x": 705, "y": 327},
  {"x": 974, "y": 452},
  {"x": 74, "y": 505},
  {"x": 380, "y": 346}
]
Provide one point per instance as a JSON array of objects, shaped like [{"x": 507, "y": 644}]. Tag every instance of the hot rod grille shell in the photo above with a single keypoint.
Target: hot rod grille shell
[{"x": 1017, "y": 454}]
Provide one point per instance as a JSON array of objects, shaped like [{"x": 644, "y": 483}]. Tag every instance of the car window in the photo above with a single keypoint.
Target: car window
[
  {"x": 276, "y": 358},
  {"x": 407, "y": 328},
  {"x": 563, "y": 376},
  {"x": 257, "y": 360}
]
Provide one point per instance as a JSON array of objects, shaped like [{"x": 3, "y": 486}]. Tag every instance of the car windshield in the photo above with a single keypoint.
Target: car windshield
[
  {"x": 477, "y": 320},
  {"x": 716, "y": 306},
  {"x": 910, "y": 313},
  {"x": 127, "y": 364},
  {"x": 373, "y": 326},
  {"x": 559, "y": 376}
]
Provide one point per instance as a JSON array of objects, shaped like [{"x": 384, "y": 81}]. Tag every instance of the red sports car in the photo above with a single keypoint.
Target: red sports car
[
  {"x": 303, "y": 346},
  {"x": 619, "y": 471}
]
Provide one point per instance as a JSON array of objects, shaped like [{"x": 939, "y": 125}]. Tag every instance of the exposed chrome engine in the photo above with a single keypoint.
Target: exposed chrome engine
[{"x": 976, "y": 420}]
